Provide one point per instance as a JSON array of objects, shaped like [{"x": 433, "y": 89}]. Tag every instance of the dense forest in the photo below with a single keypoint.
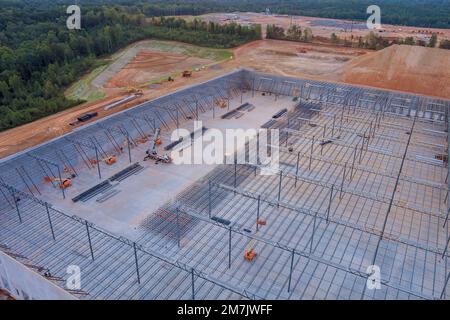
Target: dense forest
[
  {"x": 40, "y": 57},
  {"x": 419, "y": 13}
]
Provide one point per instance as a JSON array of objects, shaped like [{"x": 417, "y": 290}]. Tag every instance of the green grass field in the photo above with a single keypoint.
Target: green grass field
[{"x": 83, "y": 88}]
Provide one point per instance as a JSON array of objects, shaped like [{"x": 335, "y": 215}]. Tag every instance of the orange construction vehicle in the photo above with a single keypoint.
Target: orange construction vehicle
[
  {"x": 135, "y": 91},
  {"x": 109, "y": 160},
  {"x": 250, "y": 253},
  {"x": 63, "y": 183}
]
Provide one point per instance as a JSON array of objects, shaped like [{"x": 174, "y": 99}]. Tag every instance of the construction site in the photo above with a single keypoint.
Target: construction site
[
  {"x": 324, "y": 27},
  {"x": 362, "y": 182}
]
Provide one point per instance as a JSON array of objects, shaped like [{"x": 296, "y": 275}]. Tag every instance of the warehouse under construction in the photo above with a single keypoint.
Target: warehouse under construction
[{"x": 357, "y": 208}]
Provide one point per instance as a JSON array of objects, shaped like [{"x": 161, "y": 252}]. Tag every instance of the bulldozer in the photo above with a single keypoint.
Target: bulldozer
[{"x": 187, "y": 73}]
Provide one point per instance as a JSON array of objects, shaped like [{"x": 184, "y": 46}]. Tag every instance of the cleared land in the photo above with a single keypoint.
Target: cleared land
[
  {"x": 405, "y": 68},
  {"x": 324, "y": 27},
  {"x": 142, "y": 63},
  {"x": 295, "y": 59},
  {"x": 150, "y": 65}
]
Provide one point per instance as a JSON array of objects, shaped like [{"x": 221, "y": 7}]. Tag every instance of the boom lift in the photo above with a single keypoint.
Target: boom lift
[
  {"x": 152, "y": 152},
  {"x": 251, "y": 253},
  {"x": 63, "y": 183}
]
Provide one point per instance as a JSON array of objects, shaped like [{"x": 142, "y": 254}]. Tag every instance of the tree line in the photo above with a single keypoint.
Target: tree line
[
  {"x": 418, "y": 13},
  {"x": 294, "y": 33}
]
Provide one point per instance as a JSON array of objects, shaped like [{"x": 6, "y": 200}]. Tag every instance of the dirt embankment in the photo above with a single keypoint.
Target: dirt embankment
[
  {"x": 295, "y": 59},
  {"x": 405, "y": 68},
  {"x": 150, "y": 65}
]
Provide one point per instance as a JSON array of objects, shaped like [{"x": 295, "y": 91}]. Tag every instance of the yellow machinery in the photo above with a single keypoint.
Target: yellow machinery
[{"x": 135, "y": 91}]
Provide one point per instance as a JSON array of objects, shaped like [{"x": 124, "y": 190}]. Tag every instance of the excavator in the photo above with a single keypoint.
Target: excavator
[
  {"x": 63, "y": 183},
  {"x": 152, "y": 152},
  {"x": 251, "y": 253}
]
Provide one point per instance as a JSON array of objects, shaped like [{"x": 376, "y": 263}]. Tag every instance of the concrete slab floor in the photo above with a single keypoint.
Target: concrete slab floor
[{"x": 149, "y": 189}]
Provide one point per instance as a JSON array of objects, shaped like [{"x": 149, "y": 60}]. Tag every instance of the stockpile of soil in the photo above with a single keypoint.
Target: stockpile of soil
[{"x": 405, "y": 68}]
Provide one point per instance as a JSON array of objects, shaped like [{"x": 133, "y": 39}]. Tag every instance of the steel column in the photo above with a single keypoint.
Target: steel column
[
  {"x": 137, "y": 263},
  {"x": 89, "y": 239},
  {"x": 50, "y": 221}
]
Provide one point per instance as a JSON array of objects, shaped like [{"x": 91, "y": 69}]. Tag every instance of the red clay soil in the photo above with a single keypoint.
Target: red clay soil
[
  {"x": 305, "y": 60},
  {"x": 406, "y": 68},
  {"x": 150, "y": 65},
  {"x": 28, "y": 135}
]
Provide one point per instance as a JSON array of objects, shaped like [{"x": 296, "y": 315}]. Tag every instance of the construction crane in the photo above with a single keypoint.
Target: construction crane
[
  {"x": 152, "y": 152},
  {"x": 251, "y": 253},
  {"x": 63, "y": 183}
]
